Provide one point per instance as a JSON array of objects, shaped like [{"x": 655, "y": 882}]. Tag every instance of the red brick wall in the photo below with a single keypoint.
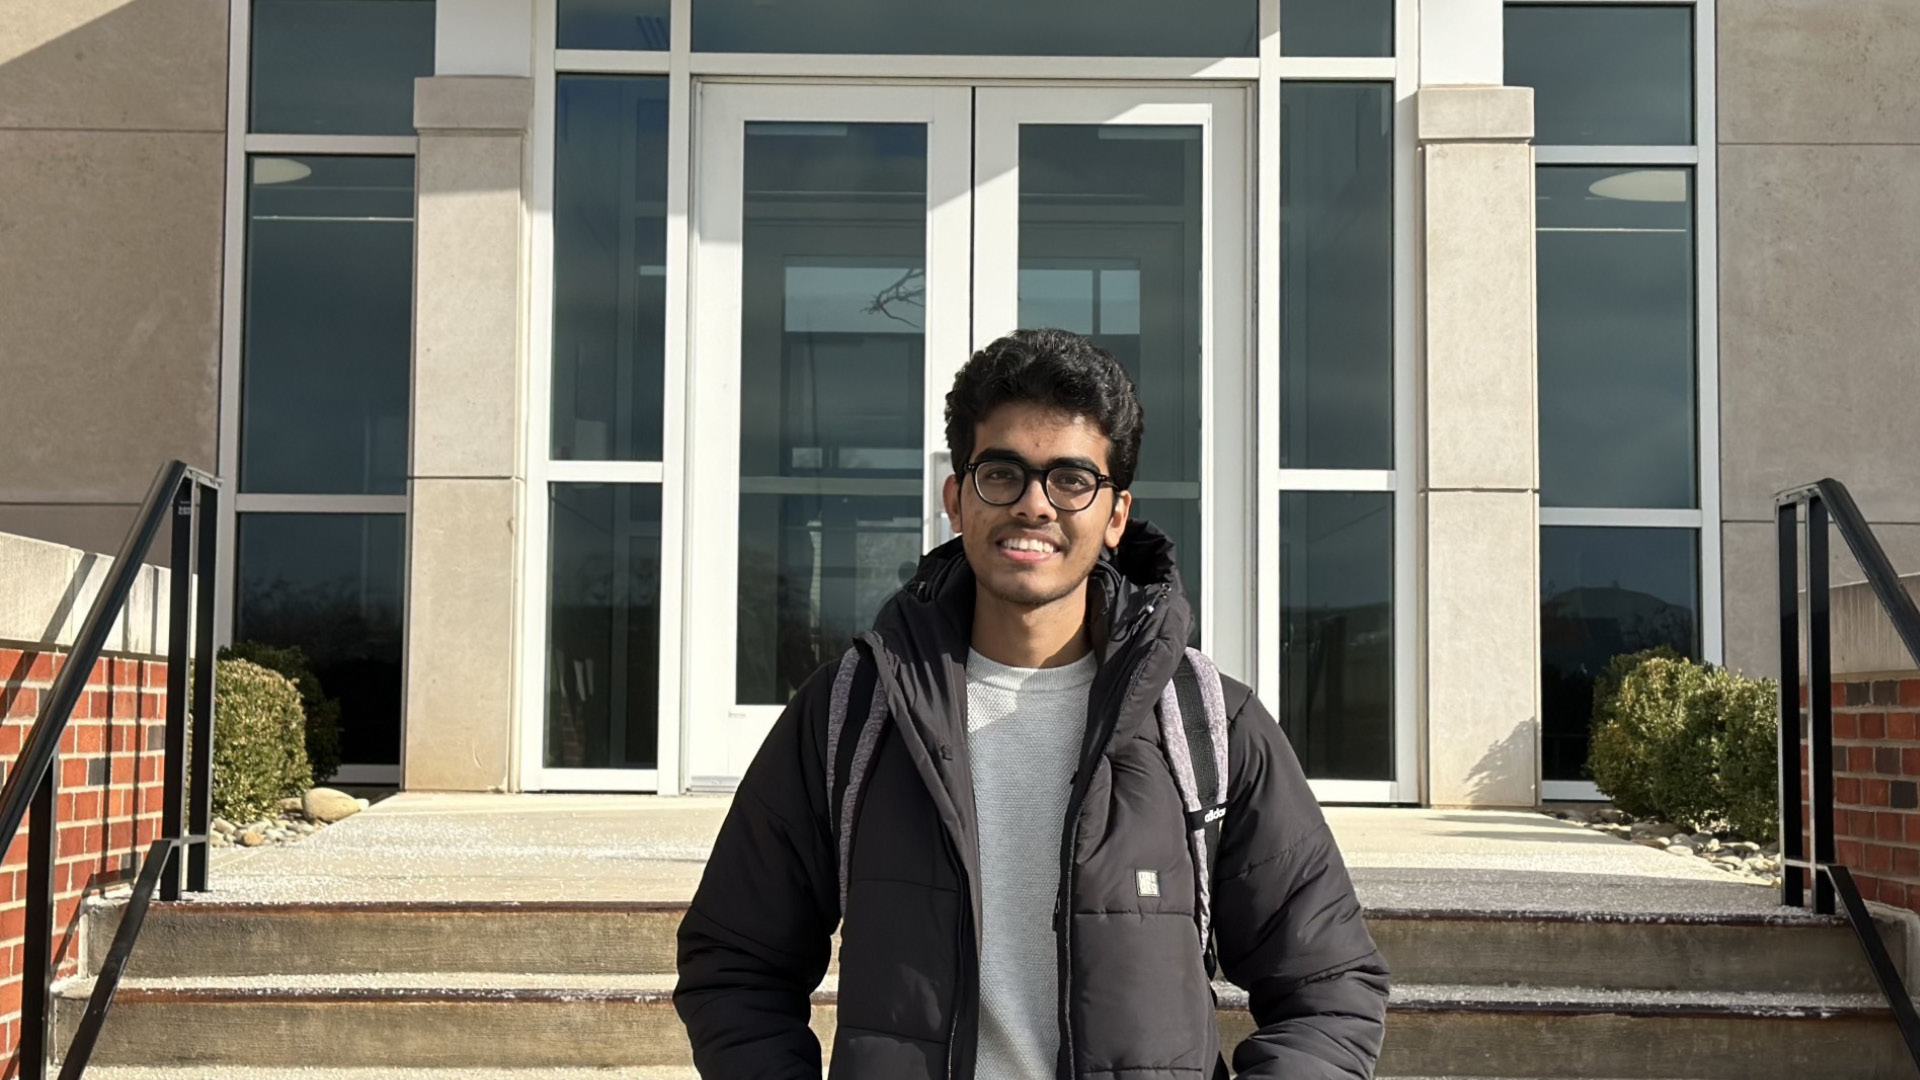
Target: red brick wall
[
  {"x": 1876, "y": 786},
  {"x": 109, "y": 804}
]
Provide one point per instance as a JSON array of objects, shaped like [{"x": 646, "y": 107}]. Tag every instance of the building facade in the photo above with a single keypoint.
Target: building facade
[{"x": 577, "y": 365}]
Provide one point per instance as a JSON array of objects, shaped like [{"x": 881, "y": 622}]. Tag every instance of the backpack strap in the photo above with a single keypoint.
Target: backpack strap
[
  {"x": 1193, "y": 731},
  {"x": 850, "y": 750}
]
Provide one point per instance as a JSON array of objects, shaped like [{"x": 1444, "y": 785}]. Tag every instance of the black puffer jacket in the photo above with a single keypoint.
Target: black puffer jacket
[{"x": 1135, "y": 1002}]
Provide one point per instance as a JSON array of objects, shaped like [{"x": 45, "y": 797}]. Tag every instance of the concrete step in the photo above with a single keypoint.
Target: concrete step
[
  {"x": 1751, "y": 952},
  {"x": 662, "y": 1072},
  {"x": 304, "y": 1072},
  {"x": 505, "y": 1021}
]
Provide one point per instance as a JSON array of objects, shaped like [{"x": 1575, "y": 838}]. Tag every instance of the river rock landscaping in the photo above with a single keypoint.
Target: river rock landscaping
[
  {"x": 1744, "y": 859},
  {"x": 295, "y": 820}
]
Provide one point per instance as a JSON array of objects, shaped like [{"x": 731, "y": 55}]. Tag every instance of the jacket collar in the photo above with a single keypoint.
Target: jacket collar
[{"x": 1135, "y": 592}]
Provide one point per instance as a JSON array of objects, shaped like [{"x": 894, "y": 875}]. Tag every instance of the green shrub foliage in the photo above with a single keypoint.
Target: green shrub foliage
[
  {"x": 323, "y": 712},
  {"x": 1750, "y": 759},
  {"x": 259, "y": 741},
  {"x": 1687, "y": 743}
]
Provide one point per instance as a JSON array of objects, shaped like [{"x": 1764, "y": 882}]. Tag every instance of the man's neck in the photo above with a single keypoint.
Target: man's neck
[{"x": 1051, "y": 635}]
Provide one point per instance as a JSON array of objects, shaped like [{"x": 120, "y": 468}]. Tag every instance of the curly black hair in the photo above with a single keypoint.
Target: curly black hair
[{"x": 1054, "y": 368}]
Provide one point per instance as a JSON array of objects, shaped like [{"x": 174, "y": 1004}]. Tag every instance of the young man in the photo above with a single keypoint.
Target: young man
[{"x": 979, "y": 796}]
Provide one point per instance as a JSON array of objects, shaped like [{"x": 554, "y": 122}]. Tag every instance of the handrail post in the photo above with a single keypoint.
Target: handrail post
[
  {"x": 29, "y": 796},
  {"x": 1792, "y": 883},
  {"x": 1827, "y": 499},
  {"x": 179, "y": 628},
  {"x": 1819, "y": 702},
  {"x": 86, "y": 1034},
  {"x": 36, "y": 951},
  {"x": 200, "y": 809}
]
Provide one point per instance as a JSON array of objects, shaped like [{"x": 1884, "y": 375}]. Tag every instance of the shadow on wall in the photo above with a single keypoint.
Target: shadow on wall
[
  {"x": 114, "y": 65},
  {"x": 112, "y": 152},
  {"x": 1491, "y": 781}
]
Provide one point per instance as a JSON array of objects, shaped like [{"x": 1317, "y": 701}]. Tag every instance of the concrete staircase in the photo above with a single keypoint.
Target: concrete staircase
[{"x": 426, "y": 990}]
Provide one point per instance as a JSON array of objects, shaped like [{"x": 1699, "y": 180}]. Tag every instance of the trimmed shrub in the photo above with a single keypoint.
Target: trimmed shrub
[
  {"x": 259, "y": 741},
  {"x": 322, "y": 712},
  {"x": 1629, "y": 731},
  {"x": 1686, "y": 743},
  {"x": 1750, "y": 759}
]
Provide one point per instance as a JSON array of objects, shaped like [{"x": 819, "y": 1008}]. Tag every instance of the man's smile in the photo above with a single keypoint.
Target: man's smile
[{"x": 1027, "y": 549}]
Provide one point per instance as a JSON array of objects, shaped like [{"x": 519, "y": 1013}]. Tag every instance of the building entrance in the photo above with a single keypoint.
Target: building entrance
[{"x": 852, "y": 246}]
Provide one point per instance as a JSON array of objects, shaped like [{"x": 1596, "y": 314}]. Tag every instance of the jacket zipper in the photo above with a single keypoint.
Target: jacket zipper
[
  {"x": 964, "y": 957},
  {"x": 1069, "y": 848}
]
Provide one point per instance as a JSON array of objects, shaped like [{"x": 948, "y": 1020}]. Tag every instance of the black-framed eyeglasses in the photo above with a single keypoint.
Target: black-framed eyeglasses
[{"x": 1068, "y": 487}]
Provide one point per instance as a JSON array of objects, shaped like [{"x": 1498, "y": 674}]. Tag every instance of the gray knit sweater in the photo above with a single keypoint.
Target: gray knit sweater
[{"x": 1023, "y": 731}]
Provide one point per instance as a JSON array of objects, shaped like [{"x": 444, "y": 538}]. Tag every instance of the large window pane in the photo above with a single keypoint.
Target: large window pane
[
  {"x": 1336, "y": 27},
  {"x": 1616, "y": 337},
  {"x": 613, "y": 24},
  {"x": 833, "y": 381},
  {"x": 1336, "y": 275},
  {"x": 332, "y": 586},
  {"x": 603, "y": 630},
  {"x": 609, "y": 268},
  {"x": 329, "y": 325},
  {"x": 1336, "y": 632},
  {"x": 983, "y": 27},
  {"x": 1111, "y": 234},
  {"x": 1604, "y": 75},
  {"x": 338, "y": 67},
  {"x": 1606, "y": 592}
]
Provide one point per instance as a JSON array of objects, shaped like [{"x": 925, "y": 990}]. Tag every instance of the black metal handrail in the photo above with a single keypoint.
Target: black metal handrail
[
  {"x": 191, "y": 499},
  {"x": 1826, "y": 500}
]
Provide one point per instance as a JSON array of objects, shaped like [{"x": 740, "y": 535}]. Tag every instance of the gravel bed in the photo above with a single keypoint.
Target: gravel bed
[
  {"x": 1743, "y": 860},
  {"x": 291, "y": 824}
]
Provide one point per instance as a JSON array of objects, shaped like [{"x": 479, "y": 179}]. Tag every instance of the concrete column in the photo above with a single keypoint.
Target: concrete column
[
  {"x": 468, "y": 470},
  {"x": 1480, "y": 498}
]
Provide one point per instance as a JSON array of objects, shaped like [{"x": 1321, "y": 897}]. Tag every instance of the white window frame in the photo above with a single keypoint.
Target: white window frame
[
  {"x": 527, "y": 771},
  {"x": 1402, "y": 480},
  {"x": 731, "y": 731},
  {"x": 1263, "y": 73},
  {"x": 242, "y": 145},
  {"x": 1702, "y": 158},
  {"x": 1223, "y": 113}
]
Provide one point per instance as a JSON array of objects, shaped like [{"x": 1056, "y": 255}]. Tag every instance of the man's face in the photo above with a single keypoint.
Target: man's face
[{"x": 1032, "y": 553}]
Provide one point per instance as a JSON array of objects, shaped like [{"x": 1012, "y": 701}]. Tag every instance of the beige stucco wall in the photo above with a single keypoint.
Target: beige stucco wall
[
  {"x": 1819, "y": 155},
  {"x": 468, "y": 423},
  {"x": 1480, "y": 496},
  {"x": 112, "y": 176}
]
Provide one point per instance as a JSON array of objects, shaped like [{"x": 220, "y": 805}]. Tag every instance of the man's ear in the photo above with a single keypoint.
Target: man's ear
[
  {"x": 950, "y": 497},
  {"x": 1117, "y": 522}
]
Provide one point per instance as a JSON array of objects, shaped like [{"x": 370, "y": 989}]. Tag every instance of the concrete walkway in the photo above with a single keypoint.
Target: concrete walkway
[{"x": 628, "y": 847}]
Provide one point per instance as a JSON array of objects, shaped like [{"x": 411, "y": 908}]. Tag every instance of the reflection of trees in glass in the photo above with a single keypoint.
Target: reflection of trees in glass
[
  {"x": 603, "y": 637},
  {"x": 1337, "y": 679},
  {"x": 588, "y": 686},
  {"x": 1336, "y": 636},
  {"x": 813, "y": 578},
  {"x": 909, "y": 292},
  {"x": 1581, "y": 630},
  {"x": 352, "y": 641}
]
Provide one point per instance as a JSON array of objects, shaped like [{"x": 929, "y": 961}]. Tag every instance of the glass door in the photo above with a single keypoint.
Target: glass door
[
  {"x": 1121, "y": 214},
  {"x": 853, "y": 246},
  {"x": 830, "y": 311}
]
